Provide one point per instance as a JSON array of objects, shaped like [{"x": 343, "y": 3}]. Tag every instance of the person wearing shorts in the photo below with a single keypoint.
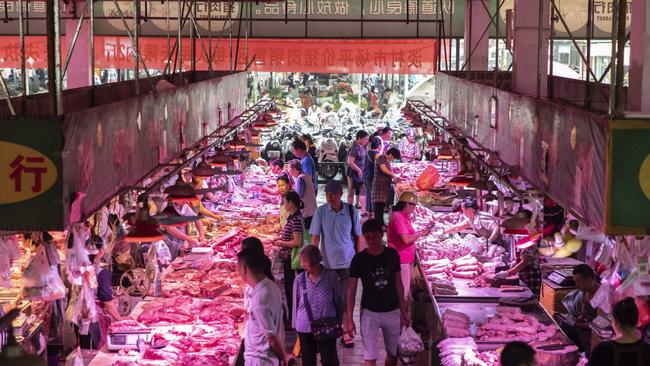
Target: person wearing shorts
[{"x": 383, "y": 306}]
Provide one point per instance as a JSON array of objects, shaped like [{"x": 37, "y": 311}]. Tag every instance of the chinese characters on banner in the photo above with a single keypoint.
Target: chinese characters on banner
[
  {"x": 417, "y": 56},
  {"x": 403, "y": 56},
  {"x": 30, "y": 174}
]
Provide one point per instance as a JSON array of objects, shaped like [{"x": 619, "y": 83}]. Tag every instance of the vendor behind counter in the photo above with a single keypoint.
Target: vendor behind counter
[{"x": 575, "y": 323}]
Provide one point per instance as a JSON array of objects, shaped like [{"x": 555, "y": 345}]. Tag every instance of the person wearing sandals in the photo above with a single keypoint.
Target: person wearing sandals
[
  {"x": 316, "y": 296},
  {"x": 336, "y": 230},
  {"x": 356, "y": 161}
]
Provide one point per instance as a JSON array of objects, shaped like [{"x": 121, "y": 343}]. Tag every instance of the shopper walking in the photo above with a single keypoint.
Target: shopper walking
[
  {"x": 402, "y": 237},
  {"x": 627, "y": 348},
  {"x": 311, "y": 148},
  {"x": 305, "y": 190},
  {"x": 355, "y": 164},
  {"x": 382, "y": 300},
  {"x": 382, "y": 183},
  {"x": 369, "y": 171},
  {"x": 299, "y": 150},
  {"x": 290, "y": 238},
  {"x": 336, "y": 230},
  {"x": 316, "y": 296},
  {"x": 264, "y": 340}
]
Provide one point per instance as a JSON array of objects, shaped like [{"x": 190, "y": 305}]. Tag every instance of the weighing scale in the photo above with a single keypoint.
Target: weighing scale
[
  {"x": 127, "y": 339},
  {"x": 562, "y": 277}
]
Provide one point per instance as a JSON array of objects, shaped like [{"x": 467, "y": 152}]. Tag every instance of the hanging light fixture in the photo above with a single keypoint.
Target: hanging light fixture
[
  {"x": 480, "y": 184},
  {"x": 236, "y": 143},
  {"x": 460, "y": 181},
  {"x": 220, "y": 160},
  {"x": 170, "y": 217},
  {"x": 144, "y": 229},
  {"x": 181, "y": 192},
  {"x": 203, "y": 170},
  {"x": 518, "y": 224},
  {"x": 224, "y": 171}
]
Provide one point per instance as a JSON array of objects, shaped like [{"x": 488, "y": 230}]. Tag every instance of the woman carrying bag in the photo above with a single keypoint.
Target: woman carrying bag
[
  {"x": 290, "y": 242},
  {"x": 318, "y": 309}
]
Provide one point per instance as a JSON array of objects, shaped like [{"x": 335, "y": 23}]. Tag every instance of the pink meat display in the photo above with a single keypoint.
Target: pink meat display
[
  {"x": 464, "y": 352},
  {"x": 511, "y": 324},
  {"x": 175, "y": 310},
  {"x": 127, "y": 326},
  {"x": 204, "y": 280},
  {"x": 456, "y": 324}
]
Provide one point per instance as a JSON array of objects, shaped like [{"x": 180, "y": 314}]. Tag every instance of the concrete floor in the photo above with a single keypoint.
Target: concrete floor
[{"x": 349, "y": 356}]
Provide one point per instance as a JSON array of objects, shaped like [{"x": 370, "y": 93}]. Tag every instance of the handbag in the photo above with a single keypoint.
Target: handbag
[
  {"x": 352, "y": 231},
  {"x": 323, "y": 329},
  {"x": 295, "y": 252}
]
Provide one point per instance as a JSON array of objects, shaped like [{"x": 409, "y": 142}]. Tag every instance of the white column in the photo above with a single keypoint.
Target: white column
[
  {"x": 531, "y": 50},
  {"x": 476, "y": 21},
  {"x": 638, "y": 93}
]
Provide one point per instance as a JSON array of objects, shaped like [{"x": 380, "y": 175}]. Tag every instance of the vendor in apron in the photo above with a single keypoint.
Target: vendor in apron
[
  {"x": 175, "y": 238},
  {"x": 482, "y": 223},
  {"x": 106, "y": 308}
]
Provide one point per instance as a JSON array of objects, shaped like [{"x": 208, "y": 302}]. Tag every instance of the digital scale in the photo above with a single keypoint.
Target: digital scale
[
  {"x": 127, "y": 339},
  {"x": 562, "y": 277}
]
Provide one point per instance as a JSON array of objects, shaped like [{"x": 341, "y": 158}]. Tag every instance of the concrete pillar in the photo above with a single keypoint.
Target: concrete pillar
[
  {"x": 638, "y": 93},
  {"x": 530, "y": 56},
  {"x": 78, "y": 74},
  {"x": 476, "y": 21}
]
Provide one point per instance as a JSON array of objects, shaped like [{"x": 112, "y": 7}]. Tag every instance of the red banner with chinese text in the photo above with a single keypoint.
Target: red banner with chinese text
[{"x": 401, "y": 56}]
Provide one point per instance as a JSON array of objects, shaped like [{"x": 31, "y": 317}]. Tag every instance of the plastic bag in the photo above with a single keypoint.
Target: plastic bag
[
  {"x": 410, "y": 346},
  {"x": 41, "y": 279},
  {"x": 9, "y": 252},
  {"x": 571, "y": 302},
  {"x": 586, "y": 232},
  {"x": 605, "y": 252},
  {"x": 75, "y": 358},
  {"x": 603, "y": 298},
  {"x": 76, "y": 253},
  {"x": 428, "y": 179}
]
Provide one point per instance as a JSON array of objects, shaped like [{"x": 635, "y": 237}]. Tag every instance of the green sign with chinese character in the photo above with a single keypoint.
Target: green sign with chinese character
[
  {"x": 628, "y": 190},
  {"x": 31, "y": 177}
]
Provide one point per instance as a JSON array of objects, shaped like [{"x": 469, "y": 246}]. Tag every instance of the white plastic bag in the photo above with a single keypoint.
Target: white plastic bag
[
  {"x": 41, "y": 279},
  {"x": 603, "y": 298},
  {"x": 76, "y": 253},
  {"x": 410, "y": 346},
  {"x": 605, "y": 252},
  {"x": 75, "y": 358},
  {"x": 9, "y": 252}
]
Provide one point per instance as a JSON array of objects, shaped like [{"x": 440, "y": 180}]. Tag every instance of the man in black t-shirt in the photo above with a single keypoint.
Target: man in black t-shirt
[{"x": 382, "y": 300}]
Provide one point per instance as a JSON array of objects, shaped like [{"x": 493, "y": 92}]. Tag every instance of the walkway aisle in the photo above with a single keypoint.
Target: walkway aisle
[{"x": 354, "y": 356}]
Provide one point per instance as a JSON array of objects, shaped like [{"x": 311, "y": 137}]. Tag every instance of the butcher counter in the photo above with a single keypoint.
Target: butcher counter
[
  {"x": 106, "y": 357},
  {"x": 467, "y": 293}
]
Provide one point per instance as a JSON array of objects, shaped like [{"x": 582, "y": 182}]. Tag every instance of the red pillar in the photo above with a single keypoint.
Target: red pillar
[{"x": 78, "y": 74}]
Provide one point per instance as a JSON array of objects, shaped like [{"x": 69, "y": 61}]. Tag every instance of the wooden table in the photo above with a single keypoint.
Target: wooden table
[{"x": 552, "y": 295}]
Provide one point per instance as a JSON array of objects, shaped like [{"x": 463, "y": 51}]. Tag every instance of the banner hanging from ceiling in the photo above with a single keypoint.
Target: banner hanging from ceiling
[{"x": 380, "y": 56}]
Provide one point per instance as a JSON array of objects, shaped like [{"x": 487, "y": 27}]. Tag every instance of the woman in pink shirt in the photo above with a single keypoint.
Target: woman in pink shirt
[{"x": 402, "y": 236}]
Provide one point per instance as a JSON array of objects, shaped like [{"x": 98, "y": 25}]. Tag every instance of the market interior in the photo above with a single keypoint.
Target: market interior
[{"x": 408, "y": 195}]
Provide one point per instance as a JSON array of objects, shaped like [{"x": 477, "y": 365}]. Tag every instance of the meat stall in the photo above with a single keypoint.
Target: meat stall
[{"x": 200, "y": 317}]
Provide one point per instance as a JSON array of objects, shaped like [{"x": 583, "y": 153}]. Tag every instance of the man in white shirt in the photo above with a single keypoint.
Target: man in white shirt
[{"x": 264, "y": 340}]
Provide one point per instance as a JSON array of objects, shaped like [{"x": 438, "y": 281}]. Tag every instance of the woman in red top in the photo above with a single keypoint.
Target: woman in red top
[{"x": 402, "y": 236}]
